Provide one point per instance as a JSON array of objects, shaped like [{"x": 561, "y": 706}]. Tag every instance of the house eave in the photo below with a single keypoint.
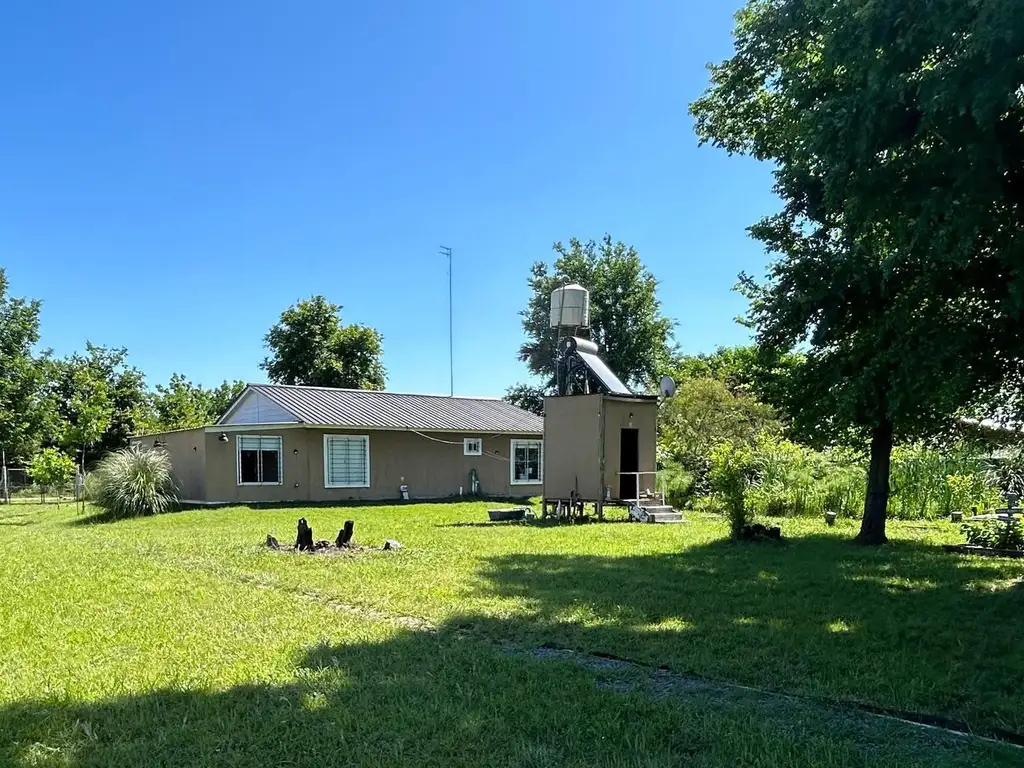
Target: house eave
[{"x": 367, "y": 428}]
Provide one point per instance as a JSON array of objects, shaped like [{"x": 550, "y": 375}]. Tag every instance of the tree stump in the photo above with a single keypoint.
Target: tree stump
[
  {"x": 345, "y": 535},
  {"x": 304, "y": 539}
]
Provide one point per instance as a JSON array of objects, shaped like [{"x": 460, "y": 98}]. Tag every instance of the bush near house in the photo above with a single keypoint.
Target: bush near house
[{"x": 133, "y": 482}]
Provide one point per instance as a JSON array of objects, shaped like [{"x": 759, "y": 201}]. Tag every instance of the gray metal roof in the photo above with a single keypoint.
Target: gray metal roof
[{"x": 358, "y": 408}]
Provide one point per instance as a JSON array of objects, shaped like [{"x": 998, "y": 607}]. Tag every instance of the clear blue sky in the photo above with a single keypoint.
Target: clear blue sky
[{"x": 174, "y": 174}]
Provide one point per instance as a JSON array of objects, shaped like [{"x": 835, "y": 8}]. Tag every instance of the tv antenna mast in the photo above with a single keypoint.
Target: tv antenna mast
[{"x": 446, "y": 251}]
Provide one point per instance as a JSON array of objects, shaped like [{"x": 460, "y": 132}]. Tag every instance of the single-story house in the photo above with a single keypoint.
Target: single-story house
[{"x": 292, "y": 443}]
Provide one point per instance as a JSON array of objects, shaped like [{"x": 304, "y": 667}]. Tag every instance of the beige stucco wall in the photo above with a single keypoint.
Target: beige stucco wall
[
  {"x": 572, "y": 443},
  {"x": 645, "y": 420},
  {"x": 572, "y": 446},
  {"x": 431, "y": 469},
  {"x": 187, "y": 451}
]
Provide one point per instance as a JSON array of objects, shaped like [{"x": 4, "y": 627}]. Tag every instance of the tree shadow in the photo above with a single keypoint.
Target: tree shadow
[
  {"x": 908, "y": 626},
  {"x": 102, "y": 517},
  {"x": 7, "y": 517},
  {"x": 441, "y": 699}
]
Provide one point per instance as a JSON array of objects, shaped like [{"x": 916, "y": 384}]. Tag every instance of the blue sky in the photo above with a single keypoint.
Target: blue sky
[{"x": 173, "y": 175}]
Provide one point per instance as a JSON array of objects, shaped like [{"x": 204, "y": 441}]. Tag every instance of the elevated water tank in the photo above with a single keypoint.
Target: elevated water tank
[{"x": 570, "y": 307}]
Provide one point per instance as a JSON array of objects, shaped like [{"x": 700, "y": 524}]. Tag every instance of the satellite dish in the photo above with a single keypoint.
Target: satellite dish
[{"x": 668, "y": 386}]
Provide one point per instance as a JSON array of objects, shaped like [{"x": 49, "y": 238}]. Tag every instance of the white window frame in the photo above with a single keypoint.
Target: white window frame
[
  {"x": 513, "y": 445},
  {"x": 472, "y": 446},
  {"x": 280, "y": 458},
  {"x": 366, "y": 443}
]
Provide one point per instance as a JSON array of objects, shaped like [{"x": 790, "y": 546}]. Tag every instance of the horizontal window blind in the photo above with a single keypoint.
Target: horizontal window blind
[
  {"x": 246, "y": 443},
  {"x": 259, "y": 460},
  {"x": 347, "y": 461}
]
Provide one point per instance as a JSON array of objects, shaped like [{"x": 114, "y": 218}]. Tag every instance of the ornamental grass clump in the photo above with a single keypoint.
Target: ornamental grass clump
[{"x": 133, "y": 482}]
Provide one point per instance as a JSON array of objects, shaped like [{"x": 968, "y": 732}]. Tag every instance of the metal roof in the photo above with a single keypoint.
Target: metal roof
[{"x": 364, "y": 409}]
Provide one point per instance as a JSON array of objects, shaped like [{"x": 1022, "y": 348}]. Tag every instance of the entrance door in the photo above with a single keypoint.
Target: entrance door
[{"x": 629, "y": 461}]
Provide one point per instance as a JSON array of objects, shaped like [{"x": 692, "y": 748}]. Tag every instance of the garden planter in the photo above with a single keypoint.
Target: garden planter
[{"x": 497, "y": 515}]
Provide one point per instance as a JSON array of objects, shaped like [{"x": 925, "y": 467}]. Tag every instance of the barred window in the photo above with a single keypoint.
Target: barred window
[{"x": 346, "y": 461}]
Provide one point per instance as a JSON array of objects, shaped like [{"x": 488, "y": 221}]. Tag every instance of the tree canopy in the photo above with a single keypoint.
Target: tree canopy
[
  {"x": 704, "y": 413},
  {"x": 183, "y": 405},
  {"x": 311, "y": 346},
  {"x": 897, "y": 134},
  {"x": 625, "y": 314},
  {"x": 527, "y": 397},
  {"x": 21, "y": 412},
  {"x": 98, "y": 387}
]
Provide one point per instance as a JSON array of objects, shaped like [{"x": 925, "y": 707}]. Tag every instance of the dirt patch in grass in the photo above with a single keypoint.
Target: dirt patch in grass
[{"x": 328, "y": 551}]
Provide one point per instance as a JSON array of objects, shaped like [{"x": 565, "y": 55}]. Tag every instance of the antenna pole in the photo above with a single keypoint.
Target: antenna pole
[{"x": 446, "y": 251}]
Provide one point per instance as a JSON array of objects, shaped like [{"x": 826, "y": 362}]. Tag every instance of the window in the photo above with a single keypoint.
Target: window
[
  {"x": 259, "y": 460},
  {"x": 346, "y": 461},
  {"x": 527, "y": 462},
  {"x": 472, "y": 446}
]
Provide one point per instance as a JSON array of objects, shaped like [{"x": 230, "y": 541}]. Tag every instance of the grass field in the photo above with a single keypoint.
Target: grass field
[{"x": 182, "y": 641}]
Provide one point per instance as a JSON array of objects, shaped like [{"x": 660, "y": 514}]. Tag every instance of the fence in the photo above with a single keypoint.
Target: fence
[{"x": 16, "y": 486}]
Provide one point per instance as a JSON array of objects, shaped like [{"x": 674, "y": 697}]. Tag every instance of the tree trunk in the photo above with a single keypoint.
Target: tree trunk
[
  {"x": 345, "y": 535},
  {"x": 304, "y": 537},
  {"x": 876, "y": 502}
]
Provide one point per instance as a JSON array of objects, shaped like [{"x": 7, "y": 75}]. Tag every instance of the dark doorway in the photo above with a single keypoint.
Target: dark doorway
[{"x": 629, "y": 461}]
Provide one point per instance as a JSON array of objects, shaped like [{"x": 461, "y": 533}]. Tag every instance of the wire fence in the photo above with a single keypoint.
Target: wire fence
[{"x": 17, "y": 487}]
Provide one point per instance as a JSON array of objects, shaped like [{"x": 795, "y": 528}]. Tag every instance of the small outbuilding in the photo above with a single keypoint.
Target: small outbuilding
[{"x": 289, "y": 443}]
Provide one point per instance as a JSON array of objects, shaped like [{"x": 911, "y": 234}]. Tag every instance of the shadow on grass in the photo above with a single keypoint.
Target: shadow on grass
[
  {"x": 907, "y": 626},
  {"x": 98, "y": 518},
  {"x": 442, "y": 699},
  {"x": 9, "y": 517}
]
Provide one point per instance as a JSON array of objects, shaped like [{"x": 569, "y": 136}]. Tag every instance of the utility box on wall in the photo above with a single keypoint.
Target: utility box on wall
[{"x": 594, "y": 445}]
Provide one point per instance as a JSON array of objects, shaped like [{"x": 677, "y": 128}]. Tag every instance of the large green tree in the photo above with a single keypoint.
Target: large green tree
[
  {"x": 625, "y": 314},
  {"x": 310, "y": 345},
  {"x": 22, "y": 417},
  {"x": 896, "y": 131}
]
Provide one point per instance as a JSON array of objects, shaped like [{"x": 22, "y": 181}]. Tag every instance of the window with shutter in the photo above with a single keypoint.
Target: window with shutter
[
  {"x": 346, "y": 461},
  {"x": 258, "y": 460}
]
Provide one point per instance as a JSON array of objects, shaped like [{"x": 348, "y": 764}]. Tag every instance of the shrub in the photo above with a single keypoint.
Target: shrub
[
  {"x": 732, "y": 469},
  {"x": 679, "y": 486},
  {"x": 134, "y": 481},
  {"x": 995, "y": 534},
  {"x": 52, "y": 469}
]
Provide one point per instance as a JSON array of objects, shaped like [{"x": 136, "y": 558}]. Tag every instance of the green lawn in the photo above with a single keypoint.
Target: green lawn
[{"x": 181, "y": 641}]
